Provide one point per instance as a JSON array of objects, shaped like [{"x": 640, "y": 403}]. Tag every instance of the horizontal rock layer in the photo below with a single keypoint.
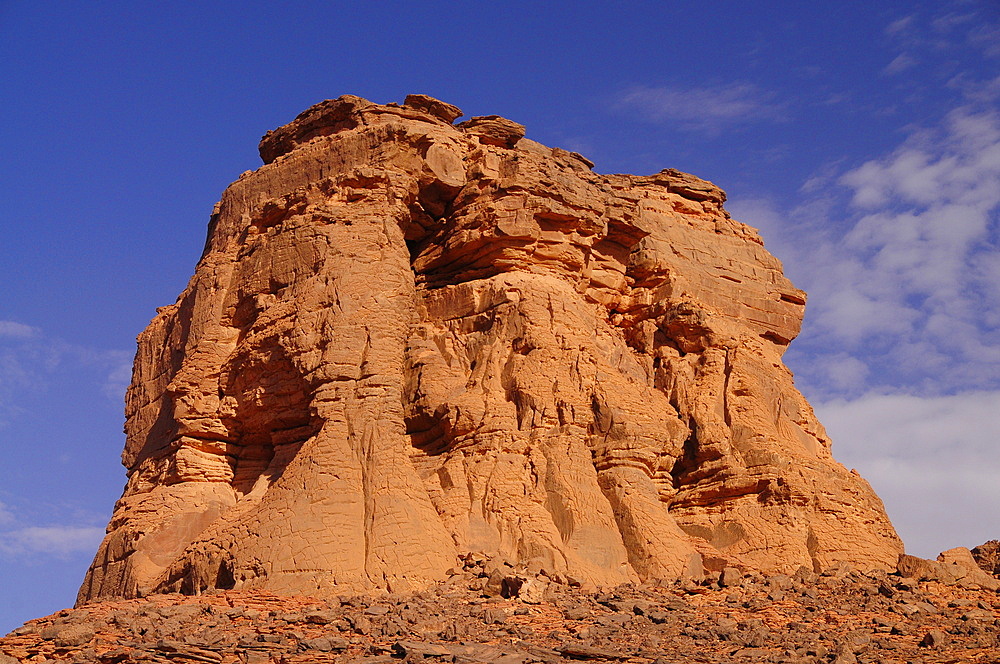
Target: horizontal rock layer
[{"x": 409, "y": 340}]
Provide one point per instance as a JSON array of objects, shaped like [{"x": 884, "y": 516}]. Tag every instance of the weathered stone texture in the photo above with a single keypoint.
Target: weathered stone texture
[
  {"x": 953, "y": 567},
  {"x": 987, "y": 556},
  {"x": 408, "y": 340}
]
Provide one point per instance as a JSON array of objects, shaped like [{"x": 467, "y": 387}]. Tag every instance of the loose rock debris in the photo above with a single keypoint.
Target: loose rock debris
[{"x": 837, "y": 617}]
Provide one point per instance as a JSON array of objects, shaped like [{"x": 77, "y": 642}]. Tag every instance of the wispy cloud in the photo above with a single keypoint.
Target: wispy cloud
[
  {"x": 6, "y": 516},
  {"x": 986, "y": 36},
  {"x": 977, "y": 90},
  {"x": 16, "y": 330},
  {"x": 119, "y": 373},
  {"x": 902, "y": 27},
  {"x": 900, "y": 63},
  {"x": 56, "y": 541},
  {"x": 933, "y": 461},
  {"x": 951, "y": 20},
  {"x": 937, "y": 38},
  {"x": 19, "y": 539},
  {"x": 709, "y": 109},
  {"x": 29, "y": 359}
]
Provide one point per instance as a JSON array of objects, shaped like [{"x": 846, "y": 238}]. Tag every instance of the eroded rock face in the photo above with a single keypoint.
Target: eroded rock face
[
  {"x": 407, "y": 340},
  {"x": 987, "y": 556}
]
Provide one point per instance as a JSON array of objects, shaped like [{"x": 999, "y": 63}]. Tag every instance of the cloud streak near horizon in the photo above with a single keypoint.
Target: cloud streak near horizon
[{"x": 933, "y": 461}]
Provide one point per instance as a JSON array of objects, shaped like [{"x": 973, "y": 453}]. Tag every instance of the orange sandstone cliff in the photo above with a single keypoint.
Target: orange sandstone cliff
[{"x": 408, "y": 340}]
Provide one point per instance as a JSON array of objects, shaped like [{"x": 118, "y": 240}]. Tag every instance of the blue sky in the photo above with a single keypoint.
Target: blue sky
[{"x": 863, "y": 139}]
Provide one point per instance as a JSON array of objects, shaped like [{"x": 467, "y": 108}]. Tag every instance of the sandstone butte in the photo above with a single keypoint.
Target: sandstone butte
[{"x": 409, "y": 340}]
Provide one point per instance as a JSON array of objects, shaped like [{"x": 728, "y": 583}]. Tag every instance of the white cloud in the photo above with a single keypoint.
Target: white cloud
[
  {"x": 58, "y": 541},
  {"x": 904, "y": 276},
  {"x": 933, "y": 461},
  {"x": 986, "y": 36},
  {"x": 951, "y": 20},
  {"x": 842, "y": 372},
  {"x": 900, "y": 63},
  {"x": 958, "y": 165},
  {"x": 901, "y": 27},
  {"x": 16, "y": 330},
  {"x": 709, "y": 108},
  {"x": 931, "y": 213},
  {"x": 764, "y": 215},
  {"x": 19, "y": 539}
]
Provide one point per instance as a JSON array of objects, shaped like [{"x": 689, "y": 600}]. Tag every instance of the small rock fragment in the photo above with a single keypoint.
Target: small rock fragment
[
  {"x": 729, "y": 577},
  {"x": 420, "y": 649},
  {"x": 934, "y": 639},
  {"x": 584, "y": 651}
]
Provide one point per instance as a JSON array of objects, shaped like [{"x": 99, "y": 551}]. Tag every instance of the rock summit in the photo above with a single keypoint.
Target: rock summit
[{"x": 409, "y": 340}]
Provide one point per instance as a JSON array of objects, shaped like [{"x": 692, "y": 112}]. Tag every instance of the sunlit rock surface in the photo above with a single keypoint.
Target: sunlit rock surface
[{"x": 409, "y": 340}]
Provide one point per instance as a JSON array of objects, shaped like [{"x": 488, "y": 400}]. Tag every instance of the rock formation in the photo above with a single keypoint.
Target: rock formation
[
  {"x": 408, "y": 340},
  {"x": 953, "y": 567},
  {"x": 987, "y": 556}
]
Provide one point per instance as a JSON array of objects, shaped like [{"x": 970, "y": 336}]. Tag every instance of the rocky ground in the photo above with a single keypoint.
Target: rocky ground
[{"x": 489, "y": 612}]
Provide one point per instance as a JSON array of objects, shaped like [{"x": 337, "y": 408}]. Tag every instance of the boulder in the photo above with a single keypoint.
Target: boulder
[
  {"x": 952, "y": 567},
  {"x": 987, "y": 556}
]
